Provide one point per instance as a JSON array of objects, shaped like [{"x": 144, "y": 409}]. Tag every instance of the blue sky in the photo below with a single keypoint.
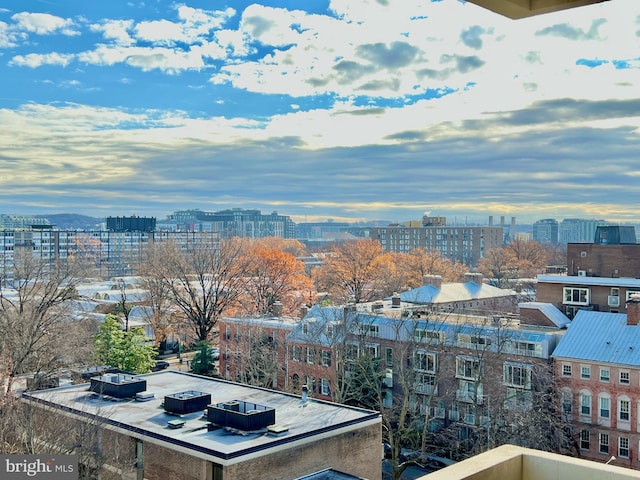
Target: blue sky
[{"x": 319, "y": 109}]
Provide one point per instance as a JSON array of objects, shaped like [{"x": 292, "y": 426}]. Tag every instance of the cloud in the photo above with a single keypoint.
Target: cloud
[
  {"x": 472, "y": 37},
  {"x": 34, "y": 60},
  {"x": 570, "y": 32},
  {"x": 44, "y": 24}
]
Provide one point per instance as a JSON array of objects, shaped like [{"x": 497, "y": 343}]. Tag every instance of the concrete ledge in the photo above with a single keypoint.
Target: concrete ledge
[{"x": 510, "y": 462}]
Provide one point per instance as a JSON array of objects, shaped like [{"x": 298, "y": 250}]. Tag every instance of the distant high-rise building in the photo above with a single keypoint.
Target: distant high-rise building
[
  {"x": 131, "y": 224},
  {"x": 545, "y": 231},
  {"x": 458, "y": 243},
  {"x": 577, "y": 230},
  {"x": 235, "y": 222},
  {"x": 21, "y": 221}
]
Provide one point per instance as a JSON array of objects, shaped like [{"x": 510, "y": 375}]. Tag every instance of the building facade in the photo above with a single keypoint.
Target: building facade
[
  {"x": 577, "y": 230},
  {"x": 235, "y": 222},
  {"x": 597, "y": 367},
  {"x": 462, "y": 244},
  {"x": 111, "y": 252},
  {"x": 545, "y": 231}
]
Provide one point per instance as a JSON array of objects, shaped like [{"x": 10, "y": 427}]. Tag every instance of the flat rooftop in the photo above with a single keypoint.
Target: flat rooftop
[{"x": 297, "y": 423}]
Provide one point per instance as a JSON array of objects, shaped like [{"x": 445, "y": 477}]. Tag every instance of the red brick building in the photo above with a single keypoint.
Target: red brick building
[{"x": 597, "y": 368}]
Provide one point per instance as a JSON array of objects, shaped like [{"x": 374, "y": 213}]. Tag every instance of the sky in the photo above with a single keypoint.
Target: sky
[{"x": 348, "y": 110}]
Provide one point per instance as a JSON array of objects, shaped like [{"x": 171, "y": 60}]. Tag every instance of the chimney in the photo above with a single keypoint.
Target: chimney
[
  {"x": 435, "y": 280},
  {"x": 276, "y": 309},
  {"x": 395, "y": 300},
  {"x": 633, "y": 310},
  {"x": 303, "y": 311},
  {"x": 305, "y": 395},
  {"x": 475, "y": 277}
]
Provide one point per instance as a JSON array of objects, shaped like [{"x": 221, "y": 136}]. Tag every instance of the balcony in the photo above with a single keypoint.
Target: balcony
[{"x": 469, "y": 397}]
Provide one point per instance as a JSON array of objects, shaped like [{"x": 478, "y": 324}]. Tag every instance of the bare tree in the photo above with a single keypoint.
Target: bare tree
[
  {"x": 205, "y": 279},
  {"x": 34, "y": 314}
]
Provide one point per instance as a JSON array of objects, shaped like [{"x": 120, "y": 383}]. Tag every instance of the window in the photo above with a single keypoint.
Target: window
[
  {"x": 296, "y": 353},
  {"x": 567, "y": 401},
  {"x": 311, "y": 355},
  {"x": 425, "y": 361},
  {"x": 624, "y": 378},
  {"x": 428, "y": 336},
  {"x": 467, "y": 368},
  {"x": 585, "y": 403},
  {"x": 238, "y": 334},
  {"x": 371, "y": 330},
  {"x": 604, "y": 443},
  {"x": 585, "y": 438},
  {"x": 631, "y": 293},
  {"x": 517, "y": 375},
  {"x": 605, "y": 407},
  {"x": 566, "y": 370},
  {"x": 585, "y": 372},
  {"x": 623, "y": 410},
  {"x": 305, "y": 328},
  {"x": 372, "y": 349},
  {"x": 227, "y": 332},
  {"x": 388, "y": 356},
  {"x": 575, "y": 296},
  {"x": 325, "y": 358},
  {"x": 604, "y": 375},
  {"x": 623, "y": 447},
  {"x": 325, "y": 386}
]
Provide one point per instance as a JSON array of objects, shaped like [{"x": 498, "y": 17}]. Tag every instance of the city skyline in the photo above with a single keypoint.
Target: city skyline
[{"x": 341, "y": 110}]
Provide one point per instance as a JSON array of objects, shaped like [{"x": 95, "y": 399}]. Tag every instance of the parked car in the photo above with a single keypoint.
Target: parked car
[{"x": 160, "y": 365}]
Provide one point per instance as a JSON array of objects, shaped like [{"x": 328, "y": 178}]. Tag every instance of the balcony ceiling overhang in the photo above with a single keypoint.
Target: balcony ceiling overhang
[{"x": 526, "y": 8}]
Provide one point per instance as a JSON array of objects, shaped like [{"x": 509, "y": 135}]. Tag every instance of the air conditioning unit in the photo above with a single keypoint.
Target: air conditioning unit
[
  {"x": 614, "y": 301},
  {"x": 582, "y": 273}
]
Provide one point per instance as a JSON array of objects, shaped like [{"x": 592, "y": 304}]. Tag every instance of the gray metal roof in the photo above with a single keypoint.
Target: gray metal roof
[
  {"x": 550, "y": 311},
  {"x": 453, "y": 292},
  {"x": 601, "y": 337},
  {"x": 576, "y": 280}
]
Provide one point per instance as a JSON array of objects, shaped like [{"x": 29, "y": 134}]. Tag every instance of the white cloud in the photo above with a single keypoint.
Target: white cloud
[
  {"x": 44, "y": 24},
  {"x": 35, "y": 60},
  {"x": 116, "y": 30}
]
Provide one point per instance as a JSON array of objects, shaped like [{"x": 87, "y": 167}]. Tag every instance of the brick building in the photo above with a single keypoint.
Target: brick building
[
  {"x": 597, "y": 368},
  {"x": 458, "y": 243},
  {"x": 601, "y": 276},
  {"x": 153, "y": 426}
]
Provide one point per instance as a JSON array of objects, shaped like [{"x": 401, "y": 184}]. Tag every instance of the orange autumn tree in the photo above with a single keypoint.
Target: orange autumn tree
[
  {"x": 420, "y": 262},
  {"x": 274, "y": 276},
  {"x": 350, "y": 271}
]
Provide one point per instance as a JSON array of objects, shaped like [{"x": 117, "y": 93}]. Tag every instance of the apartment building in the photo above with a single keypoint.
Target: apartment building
[
  {"x": 601, "y": 276},
  {"x": 597, "y": 368},
  {"x": 177, "y": 425},
  {"x": 545, "y": 230},
  {"x": 463, "y": 372},
  {"x": 112, "y": 252},
  {"x": 464, "y": 244},
  {"x": 236, "y": 222},
  {"x": 254, "y": 350}
]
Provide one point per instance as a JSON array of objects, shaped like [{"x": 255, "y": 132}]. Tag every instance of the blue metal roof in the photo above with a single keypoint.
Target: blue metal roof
[{"x": 601, "y": 337}]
